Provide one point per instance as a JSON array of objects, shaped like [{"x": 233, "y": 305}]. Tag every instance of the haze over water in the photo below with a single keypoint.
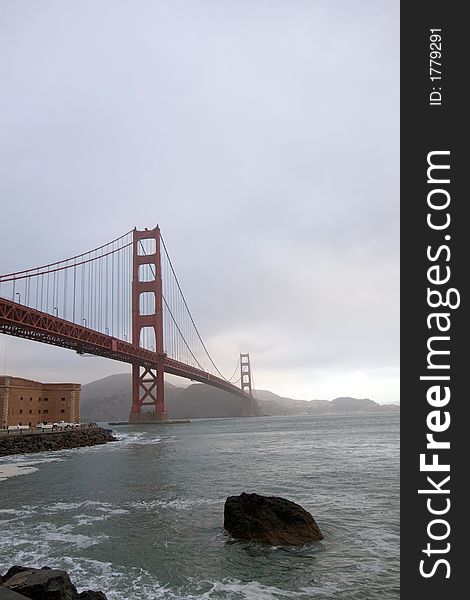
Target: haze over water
[{"x": 142, "y": 518}]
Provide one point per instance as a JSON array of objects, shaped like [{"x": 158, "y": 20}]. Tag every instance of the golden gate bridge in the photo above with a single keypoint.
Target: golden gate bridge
[{"x": 121, "y": 301}]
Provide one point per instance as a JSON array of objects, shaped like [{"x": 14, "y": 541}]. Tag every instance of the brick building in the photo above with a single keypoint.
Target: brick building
[{"x": 26, "y": 402}]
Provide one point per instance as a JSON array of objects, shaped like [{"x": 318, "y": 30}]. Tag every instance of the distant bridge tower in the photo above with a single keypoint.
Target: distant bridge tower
[
  {"x": 245, "y": 372},
  {"x": 147, "y": 381},
  {"x": 252, "y": 408}
]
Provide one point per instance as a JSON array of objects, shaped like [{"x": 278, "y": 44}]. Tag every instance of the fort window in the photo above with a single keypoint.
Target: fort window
[
  {"x": 45, "y": 411},
  {"x": 46, "y": 399},
  {"x": 30, "y": 411},
  {"x": 62, "y": 410},
  {"x": 39, "y": 411},
  {"x": 21, "y": 398},
  {"x": 21, "y": 412}
]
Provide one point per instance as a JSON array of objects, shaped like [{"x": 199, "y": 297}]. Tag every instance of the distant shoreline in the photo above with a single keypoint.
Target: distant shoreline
[{"x": 109, "y": 399}]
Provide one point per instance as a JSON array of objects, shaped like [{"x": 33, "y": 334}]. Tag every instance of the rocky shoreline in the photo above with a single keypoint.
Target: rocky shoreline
[
  {"x": 42, "y": 442},
  {"x": 42, "y": 584}
]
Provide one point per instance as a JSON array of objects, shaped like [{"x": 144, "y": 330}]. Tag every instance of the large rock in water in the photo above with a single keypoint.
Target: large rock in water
[
  {"x": 270, "y": 520},
  {"x": 45, "y": 584}
]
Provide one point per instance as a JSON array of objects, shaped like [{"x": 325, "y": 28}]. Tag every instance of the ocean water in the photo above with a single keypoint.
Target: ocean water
[{"x": 142, "y": 518}]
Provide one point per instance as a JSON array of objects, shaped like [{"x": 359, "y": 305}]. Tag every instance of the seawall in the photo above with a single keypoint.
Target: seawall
[{"x": 42, "y": 442}]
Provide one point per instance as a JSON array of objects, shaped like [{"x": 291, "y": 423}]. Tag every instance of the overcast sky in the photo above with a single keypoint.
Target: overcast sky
[{"x": 261, "y": 135}]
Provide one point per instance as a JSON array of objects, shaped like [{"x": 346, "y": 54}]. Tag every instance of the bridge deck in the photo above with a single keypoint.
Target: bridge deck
[{"x": 21, "y": 321}]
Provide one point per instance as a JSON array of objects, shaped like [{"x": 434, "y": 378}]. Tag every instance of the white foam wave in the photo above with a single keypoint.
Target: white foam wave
[
  {"x": 258, "y": 591},
  {"x": 48, "y": 532},
  {"x": 77, "y": 540},
  {"x": 113, "y": 511},
  {"x": 137, "y": 438},
  {"x": 103, "y": 507},
  {"x": 119, "y": 584},
  {"x": 64, "y": 506},
  {"x": 88, "y": 519},
  {"x": 8, "y": 515},
  {"x": 175, "y": 503},
  {"x": 7, "y": 471},
  {"x": 22, "y": 465}
]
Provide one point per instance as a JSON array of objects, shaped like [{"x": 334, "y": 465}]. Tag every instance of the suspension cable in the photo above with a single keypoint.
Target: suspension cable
[
  {"x": 182, "y": 336},
  {"x": 189, "y": 312},
  {"x": 171, "y": 314},
  {"x": 66, "y": 260},
  {"x": 236, "y": 369}
]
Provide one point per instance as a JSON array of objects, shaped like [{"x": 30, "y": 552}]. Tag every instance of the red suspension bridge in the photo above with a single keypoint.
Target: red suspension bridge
[{"x": 121, "y": 301}]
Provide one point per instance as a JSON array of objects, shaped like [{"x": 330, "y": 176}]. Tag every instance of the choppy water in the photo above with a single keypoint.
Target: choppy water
[{"x": 143, "y": 518}]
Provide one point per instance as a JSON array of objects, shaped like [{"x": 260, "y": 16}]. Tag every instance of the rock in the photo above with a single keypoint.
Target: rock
[
  {"x": 270, "y": 520},
  {"x": 45, "y": 584},
  {"x": 6, "y": 594},
  {"x": 12, "y": 571}
]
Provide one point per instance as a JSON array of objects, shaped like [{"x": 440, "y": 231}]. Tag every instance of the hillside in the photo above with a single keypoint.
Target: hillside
[
  {"x": 109, "y": 399},
  {"x": 279, "y": 405}
]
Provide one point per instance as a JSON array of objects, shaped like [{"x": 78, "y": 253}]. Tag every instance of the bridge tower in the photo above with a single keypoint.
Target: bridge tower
[
  {"x": 245, "y": 372},
  {"x": 246, "y": 379},
  {"x": 147, "y": 381}
]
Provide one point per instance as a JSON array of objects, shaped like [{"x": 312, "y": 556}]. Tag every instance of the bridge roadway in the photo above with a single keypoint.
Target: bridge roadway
[{"x": 22, "y": 321}]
